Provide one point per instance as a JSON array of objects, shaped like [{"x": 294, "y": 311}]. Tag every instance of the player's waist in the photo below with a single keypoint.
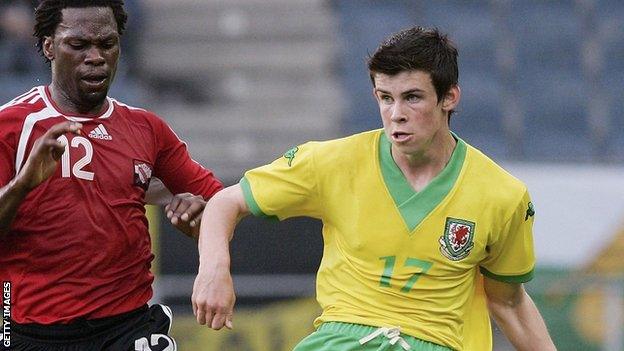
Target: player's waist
[
  {"x": 437, "y": 332},
  {"x": 366, "y": 333},
  {"x": 43, "y": 304},
  {"x": 78, "y": 329}
]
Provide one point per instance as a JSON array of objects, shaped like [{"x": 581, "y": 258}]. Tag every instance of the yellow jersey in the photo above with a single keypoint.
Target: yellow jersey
[{"x": 396, "y": 257}]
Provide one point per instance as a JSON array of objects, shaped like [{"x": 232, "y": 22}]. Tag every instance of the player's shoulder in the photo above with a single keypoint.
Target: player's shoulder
[
  {"x": 348, "y": 147},
  {"x": 137, "y": 114},
  {"x": 496, "y": 181},
  {"x": 132, "y": 110},
  {"x": 22, "y": 106},
  {"x": 362, "y": 139}
]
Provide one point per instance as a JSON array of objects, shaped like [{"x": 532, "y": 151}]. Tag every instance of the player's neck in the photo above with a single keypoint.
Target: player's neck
[
  {"x": 420, "y": 168},
  {"x": 66, "y": 105}
]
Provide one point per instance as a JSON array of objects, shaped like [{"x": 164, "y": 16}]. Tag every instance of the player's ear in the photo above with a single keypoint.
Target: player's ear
[
  {"x": 451, "y": 99},
  {"x": 48, "y": 48}
]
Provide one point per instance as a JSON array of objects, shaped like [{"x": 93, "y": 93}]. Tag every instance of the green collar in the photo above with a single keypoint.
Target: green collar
[{"x": 415, "y": 206}]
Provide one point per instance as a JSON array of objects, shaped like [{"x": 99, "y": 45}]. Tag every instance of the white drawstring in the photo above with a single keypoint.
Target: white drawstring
[{"x": 394, "y": 334}]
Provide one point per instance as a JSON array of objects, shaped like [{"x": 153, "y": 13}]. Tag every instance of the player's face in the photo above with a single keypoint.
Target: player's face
[
  {"x": 412, "y": 116},
  {"x": 84, "y": 52}
]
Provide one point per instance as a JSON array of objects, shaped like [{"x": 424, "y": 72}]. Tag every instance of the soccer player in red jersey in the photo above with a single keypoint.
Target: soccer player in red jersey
[{"x": 75, "y": 167}]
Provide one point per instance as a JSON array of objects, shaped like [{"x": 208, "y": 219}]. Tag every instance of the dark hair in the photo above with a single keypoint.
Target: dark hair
[
  {"x": 49, "y": 14},
  {"x": 421, "y": 49}
]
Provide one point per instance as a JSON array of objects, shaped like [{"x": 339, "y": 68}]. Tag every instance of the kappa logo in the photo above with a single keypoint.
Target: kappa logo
[
  {"x": 142, "y": 174},
  {"x": 530, "y": 212},
  {"x": 290, "y": 155},
  {"x": 100, "y": 132},
  {"x": 457, "y": 240}
]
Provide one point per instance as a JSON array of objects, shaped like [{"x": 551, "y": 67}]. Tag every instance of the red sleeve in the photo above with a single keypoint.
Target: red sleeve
[{"x": 177, "y": 170}]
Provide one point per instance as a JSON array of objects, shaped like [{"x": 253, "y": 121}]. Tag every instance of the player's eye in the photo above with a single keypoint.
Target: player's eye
[
  {"x": 412, "y": 98},
  {"x": 108, "y": 45},
  {"x": 77, "y": 46},
  {"x": 387, "y": 99}
]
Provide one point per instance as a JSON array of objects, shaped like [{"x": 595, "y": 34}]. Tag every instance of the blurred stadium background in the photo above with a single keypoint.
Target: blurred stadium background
[{"x": 244, "y": 80}]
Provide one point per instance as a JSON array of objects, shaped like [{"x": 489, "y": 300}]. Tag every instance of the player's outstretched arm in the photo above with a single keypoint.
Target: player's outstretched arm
[
  {"x": 517, "y": 316},
  {"x": 213, "y": 292},
  {"x": 40, "y": 165}
]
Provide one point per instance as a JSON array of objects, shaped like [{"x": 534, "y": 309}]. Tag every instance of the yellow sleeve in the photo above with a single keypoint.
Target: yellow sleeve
[
  {"x": 285, "y": 188},
  {"x": 511, "y": 256}
]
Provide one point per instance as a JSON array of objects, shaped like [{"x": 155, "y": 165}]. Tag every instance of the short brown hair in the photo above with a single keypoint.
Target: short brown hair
[{"x": 418, "y": 49}]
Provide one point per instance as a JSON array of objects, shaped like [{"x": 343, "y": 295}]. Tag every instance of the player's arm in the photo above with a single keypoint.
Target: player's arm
[
  {"x": 40, "y": 165},
  {"x": 517, "y": 316},
  {"x": 191, "y": 183},
  {"x": 213, "y": 292},
  {"x": 11, "y": 196},
  {"x": 183, "y": 210}
]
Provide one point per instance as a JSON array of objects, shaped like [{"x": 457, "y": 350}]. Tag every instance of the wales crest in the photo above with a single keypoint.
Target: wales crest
[{"x": 457, "y": 240}]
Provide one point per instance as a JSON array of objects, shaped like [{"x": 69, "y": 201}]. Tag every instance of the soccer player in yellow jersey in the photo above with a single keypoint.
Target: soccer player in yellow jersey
[{"x": 421, "y": 230}]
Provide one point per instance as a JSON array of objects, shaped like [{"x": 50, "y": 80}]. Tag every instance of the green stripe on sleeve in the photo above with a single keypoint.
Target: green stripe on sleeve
[
  {"x": 249, "y": 199},
  {"x": 508, "y": 278}
]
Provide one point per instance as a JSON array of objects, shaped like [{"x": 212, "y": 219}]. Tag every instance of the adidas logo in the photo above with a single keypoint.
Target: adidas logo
[{"x": 100, "y": 133}]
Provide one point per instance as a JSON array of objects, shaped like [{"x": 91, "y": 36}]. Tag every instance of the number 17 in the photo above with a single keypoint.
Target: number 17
[{"x": 409, "y": 262}]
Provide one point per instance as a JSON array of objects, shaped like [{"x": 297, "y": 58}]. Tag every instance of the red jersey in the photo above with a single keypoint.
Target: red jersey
[{"x": 79, "y": 245}]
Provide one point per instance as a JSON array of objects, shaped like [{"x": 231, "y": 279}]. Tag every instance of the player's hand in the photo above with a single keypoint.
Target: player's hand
[
  {"x": 45, "y": 154},
  {"x": 185, "y": 212},
  {"x": 213, "y": 298}
]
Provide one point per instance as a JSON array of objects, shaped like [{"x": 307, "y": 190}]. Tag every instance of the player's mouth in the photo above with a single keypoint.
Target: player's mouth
[
  {"x": 95, "y": 81},
  {"x": 401, "y": 137}
]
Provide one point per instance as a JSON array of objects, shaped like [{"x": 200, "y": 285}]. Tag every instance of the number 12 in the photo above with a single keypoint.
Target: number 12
[
  {"x": 409, "y": 262},
  {"x": 77, "y": 170}
]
